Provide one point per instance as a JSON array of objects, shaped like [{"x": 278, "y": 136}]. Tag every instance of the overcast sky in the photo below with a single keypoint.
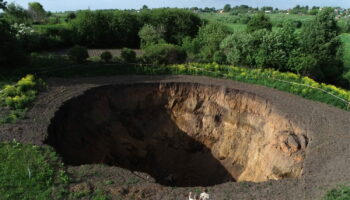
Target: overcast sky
[{"x": 64, "y": 5}]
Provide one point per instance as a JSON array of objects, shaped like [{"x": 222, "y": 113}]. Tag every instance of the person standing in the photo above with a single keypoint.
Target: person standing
[{"x": 204, "y": 195}]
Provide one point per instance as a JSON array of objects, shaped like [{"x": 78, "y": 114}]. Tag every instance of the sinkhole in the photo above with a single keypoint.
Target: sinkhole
[{"x": 181, "y": 134}]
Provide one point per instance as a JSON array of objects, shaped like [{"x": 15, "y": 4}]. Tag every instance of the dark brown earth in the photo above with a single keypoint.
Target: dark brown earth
[{"x": 276, "y": 145}]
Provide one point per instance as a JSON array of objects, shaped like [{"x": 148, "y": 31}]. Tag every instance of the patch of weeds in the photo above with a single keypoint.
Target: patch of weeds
[
  {"x": 79, "y": 195},
  {"x": 100, "y": 195},
  {"x": 339, "y": 193},
  {"x": 109, "y": 182},
  {"x": 29, "y": 172},
  {"x": 13, "y": 116}
]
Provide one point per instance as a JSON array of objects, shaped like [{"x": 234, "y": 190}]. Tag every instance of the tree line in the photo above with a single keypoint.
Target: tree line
[{"x": 176, "y": 35}]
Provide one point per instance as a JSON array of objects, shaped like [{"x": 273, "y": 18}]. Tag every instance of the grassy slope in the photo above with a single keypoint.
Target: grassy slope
[{"x": 30, "y": 172}]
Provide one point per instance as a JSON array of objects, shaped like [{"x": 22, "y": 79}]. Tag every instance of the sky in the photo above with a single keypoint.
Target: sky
[{"x": 69, "y": 5}]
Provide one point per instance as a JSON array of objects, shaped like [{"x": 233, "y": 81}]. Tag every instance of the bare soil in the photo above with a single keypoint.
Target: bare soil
[{"x": 260, "y": 143}]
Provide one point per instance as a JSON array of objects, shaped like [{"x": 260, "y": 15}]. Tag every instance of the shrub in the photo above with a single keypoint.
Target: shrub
[
  {"x": 106, "y": 56},
  {"x": 165, "y": 54},
  {"x": 259, "y": 21},
  {"x": 11, "y": 51},
  {"x": 18, "y": 96},
  {"x": 78, "y": 54},
  {"x": 219, "y": 57},
  {"x": 128, "y": 55}
]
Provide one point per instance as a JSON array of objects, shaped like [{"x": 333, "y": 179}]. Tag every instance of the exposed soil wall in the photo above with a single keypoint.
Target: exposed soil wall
[{"x": 181, "y": 134}]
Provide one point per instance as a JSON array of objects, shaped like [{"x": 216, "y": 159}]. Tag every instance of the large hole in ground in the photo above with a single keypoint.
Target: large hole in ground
[{"x": 182, "y": 134}]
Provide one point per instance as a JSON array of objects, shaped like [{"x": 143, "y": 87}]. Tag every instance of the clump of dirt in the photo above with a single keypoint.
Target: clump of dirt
[{"x": 182, "y": 134}]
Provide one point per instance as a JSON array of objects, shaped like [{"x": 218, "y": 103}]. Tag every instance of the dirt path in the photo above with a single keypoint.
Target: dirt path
[{"x": 327, "y": 162}]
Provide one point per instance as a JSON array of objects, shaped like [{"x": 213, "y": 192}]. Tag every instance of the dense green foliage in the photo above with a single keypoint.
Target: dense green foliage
[
  {"x": 78, "y": 54},
  {"x": 3, "y": 5},
  {"x": 320, "y": 41},
  {"x": 313, "y": 51},
  {"x": 207, "y": 42},
  {"x": 165, "y": 54},
  {"x": 259, "y": 21},
  {"x": 30, "y": 172},
  {"x": 151, "y": 35},
  {"x": 16, "y": 14},
  {"x": 128, "y": 55},
  {"x": 11, "y": 52},
  {"x": 121, "y": 28},
  {"x": 176, "y": 23},
  {"x": 106, "y": 29},
  {"x": 340, "y": 193},
  {"x": 18, "y": 96},
  {"x": 106, "y": 56},
  {"x": 36, "y": 12}
]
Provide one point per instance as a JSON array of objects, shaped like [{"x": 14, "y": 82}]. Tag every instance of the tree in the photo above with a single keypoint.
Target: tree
[
  {"x": 3, "y": 5},
  {"x": 209, "y": 39},
  {"x": 151, "y": 35},
  {"x": 37, "y": 12},
  {"x": 16, "y": 14},
  {"x": 227, "y": 8},
  {"x": 128, "y": 55},
  {"x": 11, "y": 52},
  {"x": 259, "y": 21},
  {"x": 106, "y": 56},
  {"x": 70, "y": 16},
  {"x": 320, "y": 40},
  {"x": 177, "y": 23},
  {"x": 276, "y": 47},
  {"x": 78, "y": 54}
]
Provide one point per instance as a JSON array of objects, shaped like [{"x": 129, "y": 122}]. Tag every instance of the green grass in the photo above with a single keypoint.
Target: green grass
[
  {"x": 340, "y": 193},
  {"x": 254, "y": 76},
  {"x": 280, "y": 18},
  {"x": 30, "y": 172}
]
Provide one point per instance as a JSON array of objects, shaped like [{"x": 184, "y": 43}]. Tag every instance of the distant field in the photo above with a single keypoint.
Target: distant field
[{"x": 280, "y": 18}]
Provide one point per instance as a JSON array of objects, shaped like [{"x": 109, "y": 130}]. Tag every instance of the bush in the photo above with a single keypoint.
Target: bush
[
  {"x": 259, "y": 21},
  {"x": 18, "y": 96},
  {"x": 219, "y": 57},
  {"x": 78, "y": 54},
  {"x": 165, "y": 54},
  {"x": 106, "y": 56},
  {"x": 11, "y": 52},
  {"x": 128, "y": 55}
]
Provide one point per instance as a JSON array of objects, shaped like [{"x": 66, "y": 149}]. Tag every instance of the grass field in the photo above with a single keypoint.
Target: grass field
[{"x": 280, "y": 18}]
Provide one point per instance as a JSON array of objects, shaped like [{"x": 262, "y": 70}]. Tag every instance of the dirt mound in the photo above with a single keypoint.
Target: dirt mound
[{"x": 138, "y": 133}]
